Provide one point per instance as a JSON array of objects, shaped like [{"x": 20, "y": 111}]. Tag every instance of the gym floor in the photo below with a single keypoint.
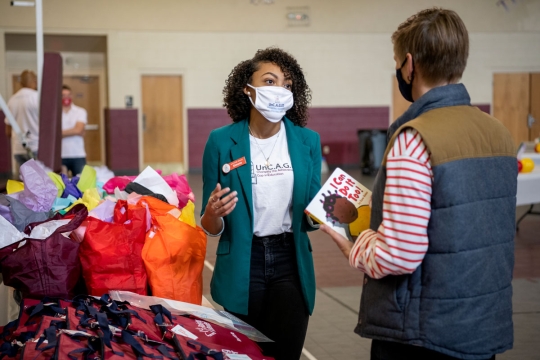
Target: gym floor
[{"x": 330, "y": 333}]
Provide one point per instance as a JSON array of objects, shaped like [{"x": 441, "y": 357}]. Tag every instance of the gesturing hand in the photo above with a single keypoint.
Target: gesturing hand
[{"x": 221, "y": 203}]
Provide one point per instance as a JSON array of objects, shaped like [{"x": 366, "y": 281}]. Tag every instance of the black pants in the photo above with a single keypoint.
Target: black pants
[
  {"x": 75, "y": 165},
  {"x": 389, "y": 350},
  {"x": 276, "y": 304}
]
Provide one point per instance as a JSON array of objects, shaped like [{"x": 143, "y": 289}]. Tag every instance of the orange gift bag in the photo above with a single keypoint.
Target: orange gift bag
[{"x": 173, "y": 254}]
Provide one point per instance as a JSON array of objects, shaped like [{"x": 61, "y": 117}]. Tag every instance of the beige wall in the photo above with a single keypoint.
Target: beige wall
[
  {"x": 346, "y": 52},
  {"x": 364, "y": 16}
]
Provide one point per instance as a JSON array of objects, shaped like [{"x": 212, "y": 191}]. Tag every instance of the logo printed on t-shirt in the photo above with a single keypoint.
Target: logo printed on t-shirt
[
  {"x": 205, "y": 328},
  {"x": 277, "y": 169}
]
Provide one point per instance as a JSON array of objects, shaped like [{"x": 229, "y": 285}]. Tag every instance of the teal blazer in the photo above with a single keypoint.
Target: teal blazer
[{"x": 230, "y": 281}]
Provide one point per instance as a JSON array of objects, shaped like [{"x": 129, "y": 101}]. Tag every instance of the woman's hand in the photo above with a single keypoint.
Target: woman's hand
[
  {"x": 220, "y": 205},
  {"x": 342, "y": 242}
]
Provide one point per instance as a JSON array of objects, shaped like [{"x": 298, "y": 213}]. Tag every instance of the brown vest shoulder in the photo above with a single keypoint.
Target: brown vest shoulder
[{"x": 460, "y": 132}]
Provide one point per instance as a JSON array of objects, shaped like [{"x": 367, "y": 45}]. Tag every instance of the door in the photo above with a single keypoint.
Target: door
[
  {"x": 535, "y": 106},
  {"x": 85, "y": 93},
  {"x": 399, "y": 104},
  {"x": 163, "y": 123},
  {"x": 511, "y": 98}
]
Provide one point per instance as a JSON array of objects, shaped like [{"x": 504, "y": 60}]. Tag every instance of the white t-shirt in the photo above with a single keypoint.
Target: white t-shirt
[
  {"x": 73, "y": 146},
  {"x": 24, "y": 107},
  {"x": 272, "y": 186}
]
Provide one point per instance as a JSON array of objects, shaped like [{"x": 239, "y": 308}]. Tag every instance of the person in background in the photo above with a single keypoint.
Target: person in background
[
  {"x": 439, "y": 256},
  {"x": 74, "y": 119},
  {"x": 259, "y": 174},
  {"x": 24, "y": 105}
]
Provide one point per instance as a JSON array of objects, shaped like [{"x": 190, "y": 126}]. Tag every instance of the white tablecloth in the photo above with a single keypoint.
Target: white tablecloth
[{"x": 528, "y": 188}]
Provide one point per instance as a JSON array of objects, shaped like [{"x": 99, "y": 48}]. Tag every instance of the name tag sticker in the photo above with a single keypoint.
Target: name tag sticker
[{"x": 234, "y": 165}]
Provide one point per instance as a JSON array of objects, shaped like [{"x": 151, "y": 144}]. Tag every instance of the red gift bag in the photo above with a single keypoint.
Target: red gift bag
[
  {"x": 48, "y": 267},
  {"x": 111, "y": 252}
]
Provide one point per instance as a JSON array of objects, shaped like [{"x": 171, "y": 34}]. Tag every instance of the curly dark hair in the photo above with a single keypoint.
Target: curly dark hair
[{"x": 237, "y": 103}]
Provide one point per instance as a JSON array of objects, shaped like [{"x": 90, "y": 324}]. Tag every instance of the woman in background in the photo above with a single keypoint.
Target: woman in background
[{"x": 259, "y": 174}]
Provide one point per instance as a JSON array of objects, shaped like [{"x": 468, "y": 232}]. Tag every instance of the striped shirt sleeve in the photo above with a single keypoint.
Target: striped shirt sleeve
[{"x": 400, "y": 243}]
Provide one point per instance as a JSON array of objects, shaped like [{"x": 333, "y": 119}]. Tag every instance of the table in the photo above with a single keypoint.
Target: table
[{"x": 528, "y": 191}]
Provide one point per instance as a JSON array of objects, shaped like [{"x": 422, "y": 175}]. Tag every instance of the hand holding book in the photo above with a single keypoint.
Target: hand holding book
[{"x": 343, "y": 205}]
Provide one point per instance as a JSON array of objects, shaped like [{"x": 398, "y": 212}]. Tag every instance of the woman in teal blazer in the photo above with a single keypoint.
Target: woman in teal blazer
[{"x": 259, "y": 174}]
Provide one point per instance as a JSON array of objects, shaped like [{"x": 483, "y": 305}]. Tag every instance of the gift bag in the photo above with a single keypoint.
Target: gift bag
[
  {"x": 173, "y": 254},
  {"x": 45, "y": 267},
  {"x": 111, "y": 252}
]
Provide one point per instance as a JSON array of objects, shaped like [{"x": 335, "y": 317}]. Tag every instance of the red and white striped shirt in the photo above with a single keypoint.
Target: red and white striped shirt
[{"x": 400, "y": 243}]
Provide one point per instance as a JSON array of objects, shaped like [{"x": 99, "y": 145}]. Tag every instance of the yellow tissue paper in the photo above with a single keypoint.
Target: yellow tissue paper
[
  {"x": 90, "y": 199},
  {"x": 188, "y": 214},
  {"x": 57, "y": 180},
  {"x": 14, "y": 186},
  {"x": 87, "y": 179}
]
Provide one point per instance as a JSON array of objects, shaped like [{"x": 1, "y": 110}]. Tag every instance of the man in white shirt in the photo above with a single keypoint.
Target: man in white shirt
[
  {"x": 74, "y": 119},
  {"x": 24, "y": 105}
]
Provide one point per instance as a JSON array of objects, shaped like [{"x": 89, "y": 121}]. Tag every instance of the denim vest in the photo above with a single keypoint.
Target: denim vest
[{"x": 459, "y": 300}]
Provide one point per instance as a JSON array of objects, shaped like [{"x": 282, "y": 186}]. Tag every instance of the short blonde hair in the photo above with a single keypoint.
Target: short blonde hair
[{"x": 438, "y": 41}]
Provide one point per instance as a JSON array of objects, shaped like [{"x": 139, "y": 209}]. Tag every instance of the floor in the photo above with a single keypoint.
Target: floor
[{"x": 330, "y": 332}]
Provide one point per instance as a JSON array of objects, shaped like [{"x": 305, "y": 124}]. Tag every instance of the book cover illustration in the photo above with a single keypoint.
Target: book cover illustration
[{"x": 343, "y": 204}]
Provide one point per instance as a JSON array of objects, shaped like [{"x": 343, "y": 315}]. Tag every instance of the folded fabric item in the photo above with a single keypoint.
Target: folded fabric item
[
  {"x": 71, "y": 188},
  {"x": 176, "y": 182},
  {"x": 90, "y": 199},
  {"x": 45, "y": 267},
  {"x": 134, "y": 187},
  {"x": 61, "y": 204},
  {"x": 111, "y": 252},
  {"x": 87, "y": 179},
  {"x": 14, "y": 186},
  {"x": 153, "y": 181},
  {"x": 8, "y": 233},
  {"x": 103, "y": 174},
  {"x": 39, "y": 190},
  {"x": 58, "y": 182},
  {"x": 22, "y": 216},
  {"x": 117, "y": 182},
  {"x": 5, "y": 212}
]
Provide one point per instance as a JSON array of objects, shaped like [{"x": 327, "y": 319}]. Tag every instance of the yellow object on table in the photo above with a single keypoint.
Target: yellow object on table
[{"x": 528, "y": 165}]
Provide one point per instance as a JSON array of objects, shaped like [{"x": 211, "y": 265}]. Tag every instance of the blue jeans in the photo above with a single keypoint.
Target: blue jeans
[
  {"x": 276, "y": 304},
  {"x": 75, "y": 165}
]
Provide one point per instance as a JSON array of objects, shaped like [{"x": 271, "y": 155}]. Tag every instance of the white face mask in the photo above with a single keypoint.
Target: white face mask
[{"x": 272, "y": 101}]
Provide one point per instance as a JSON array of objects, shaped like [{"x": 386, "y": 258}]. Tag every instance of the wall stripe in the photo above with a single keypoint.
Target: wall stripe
[{"x": 337, "y": 126}]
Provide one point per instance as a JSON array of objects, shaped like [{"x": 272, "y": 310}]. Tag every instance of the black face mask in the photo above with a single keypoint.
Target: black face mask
[{"x": 404, "y": 88}]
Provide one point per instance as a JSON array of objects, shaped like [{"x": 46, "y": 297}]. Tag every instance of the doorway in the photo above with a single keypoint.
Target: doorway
[
  {"x": 85, "y": 91},
  {"x": 163, "y": 123},
  {"x": 516, "y": 103}
]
